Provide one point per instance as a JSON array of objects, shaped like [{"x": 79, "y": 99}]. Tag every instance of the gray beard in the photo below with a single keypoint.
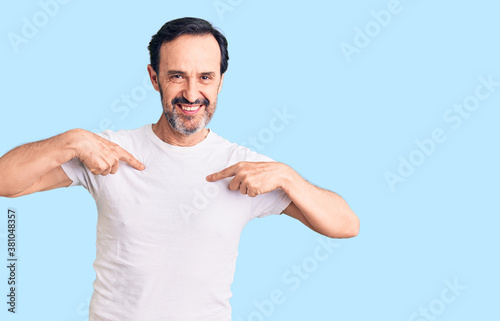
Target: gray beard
[
  {"x": 176, "y": 120},
  {"x": 177, "y": 123}
]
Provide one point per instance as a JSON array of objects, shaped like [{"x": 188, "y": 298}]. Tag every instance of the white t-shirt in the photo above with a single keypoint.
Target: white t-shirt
[{"x": 167, "y": 240}]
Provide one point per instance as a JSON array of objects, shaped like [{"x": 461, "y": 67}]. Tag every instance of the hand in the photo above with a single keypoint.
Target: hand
[
  {"x": 100, "y": 155},
  {"x": 253, "y": 178}
]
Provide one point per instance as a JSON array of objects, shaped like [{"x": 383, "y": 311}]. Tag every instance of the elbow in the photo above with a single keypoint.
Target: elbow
[
  {"x": 351, "y": 229},
  {"x": 3, "y": 192},
  {"x": 5, "y": 188},
  {"x": 15, "y": 194},
  {"x": 8, "y": 195},
  {"x": 6, "y": 191},
  {"x": 354, "y": 229}
]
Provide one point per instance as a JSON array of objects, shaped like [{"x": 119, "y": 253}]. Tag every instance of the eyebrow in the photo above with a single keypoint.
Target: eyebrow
[
  {"x": 175, "y": 72},
  {"x": 179, "y": 72}
]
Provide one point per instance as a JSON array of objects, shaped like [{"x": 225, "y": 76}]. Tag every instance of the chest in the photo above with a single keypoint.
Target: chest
[{"x": 173, "y": 202}]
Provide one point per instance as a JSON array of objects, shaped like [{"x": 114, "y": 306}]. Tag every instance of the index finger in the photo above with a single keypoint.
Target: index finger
[
  {"x": 226, "y": 172},
  {"x": 131, "y": 160}
]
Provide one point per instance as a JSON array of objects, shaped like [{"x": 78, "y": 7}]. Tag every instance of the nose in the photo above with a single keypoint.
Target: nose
[{"x": 191, "y": 91}]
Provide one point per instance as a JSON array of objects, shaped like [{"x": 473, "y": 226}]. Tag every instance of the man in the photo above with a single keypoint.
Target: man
[{"x": 169, "y": 220}]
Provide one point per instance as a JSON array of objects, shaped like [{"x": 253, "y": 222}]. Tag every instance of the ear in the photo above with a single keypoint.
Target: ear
[
  {"x": 220, "y": 83},
  {"x": 154, "y": 77}
]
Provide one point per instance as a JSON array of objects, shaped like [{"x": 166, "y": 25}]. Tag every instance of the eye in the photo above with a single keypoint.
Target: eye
[
  {"x": 177, "y": 78},
  {"x": 205, "y": 77}
]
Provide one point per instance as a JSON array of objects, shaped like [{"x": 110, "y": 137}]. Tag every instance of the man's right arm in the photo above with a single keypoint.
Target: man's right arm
[{"x": 36, "y": 167}]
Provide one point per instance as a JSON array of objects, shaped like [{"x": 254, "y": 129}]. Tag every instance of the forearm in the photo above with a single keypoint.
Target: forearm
[
  {"x": 23, "y": 165},
  {"x": 326, "y": 211}
]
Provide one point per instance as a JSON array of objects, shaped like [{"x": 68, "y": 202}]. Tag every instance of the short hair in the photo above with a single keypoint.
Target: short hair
[{"x": 186, "y": 26}]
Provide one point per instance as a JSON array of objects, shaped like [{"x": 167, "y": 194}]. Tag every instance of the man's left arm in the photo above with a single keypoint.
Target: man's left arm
[{"x": 321, "y": 210}]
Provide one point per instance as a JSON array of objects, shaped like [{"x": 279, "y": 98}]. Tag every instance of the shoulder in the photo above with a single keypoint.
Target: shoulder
[
  {"x": 124, "y": 135},
  {"x": 239, "y": 152}
]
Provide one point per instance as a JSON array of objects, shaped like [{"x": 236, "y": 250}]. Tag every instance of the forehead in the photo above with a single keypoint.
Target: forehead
[{"x": 191, "y": 53}]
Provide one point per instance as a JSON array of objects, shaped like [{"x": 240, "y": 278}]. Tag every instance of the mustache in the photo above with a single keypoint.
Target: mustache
[{"x": 182, "y": 100}]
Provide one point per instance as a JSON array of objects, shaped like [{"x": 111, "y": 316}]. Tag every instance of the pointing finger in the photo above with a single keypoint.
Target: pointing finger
[
  {"x": 131, "y": 160},
  {"x": 226, "y": 172}
]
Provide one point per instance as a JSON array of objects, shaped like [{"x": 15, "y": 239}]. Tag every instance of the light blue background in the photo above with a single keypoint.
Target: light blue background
[{"x": 353, "y": 120}]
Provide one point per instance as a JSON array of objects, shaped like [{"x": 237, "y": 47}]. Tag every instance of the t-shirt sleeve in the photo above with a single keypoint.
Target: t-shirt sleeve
[
  {"x": 273, "y": 202},
  {"x": 81, "y": 175}
]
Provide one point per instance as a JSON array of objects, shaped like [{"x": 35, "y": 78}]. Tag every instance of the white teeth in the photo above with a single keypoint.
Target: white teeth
[{"x": 190, "y": 108}]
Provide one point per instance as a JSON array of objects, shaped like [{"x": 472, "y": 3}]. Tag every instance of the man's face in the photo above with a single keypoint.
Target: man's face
[{"x": 188, "y": 81}]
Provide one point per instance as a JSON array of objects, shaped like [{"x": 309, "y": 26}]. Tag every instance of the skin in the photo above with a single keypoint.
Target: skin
[{"x": 189, "y": 69}]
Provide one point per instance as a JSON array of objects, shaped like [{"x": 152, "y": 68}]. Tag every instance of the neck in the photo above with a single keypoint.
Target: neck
[{"x": 166, "y": 133}]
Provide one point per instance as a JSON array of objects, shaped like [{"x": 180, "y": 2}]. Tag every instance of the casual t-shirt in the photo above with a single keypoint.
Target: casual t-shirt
[{"x": 167, "y": 240}]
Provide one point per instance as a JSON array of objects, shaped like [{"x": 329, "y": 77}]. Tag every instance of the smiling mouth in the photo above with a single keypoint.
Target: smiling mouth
[{"x": 190, "y": 109}]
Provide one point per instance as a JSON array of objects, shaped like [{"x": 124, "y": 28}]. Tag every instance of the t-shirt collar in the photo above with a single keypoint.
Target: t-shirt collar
[{"x": 162, "y": 144}]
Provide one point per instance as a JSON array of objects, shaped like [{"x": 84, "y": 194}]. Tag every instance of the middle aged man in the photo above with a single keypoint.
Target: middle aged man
[{"x": 168, "y": 225}]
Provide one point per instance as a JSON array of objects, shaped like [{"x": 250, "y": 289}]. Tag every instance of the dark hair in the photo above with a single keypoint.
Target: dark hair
[{"x": 186, "y": 26}]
